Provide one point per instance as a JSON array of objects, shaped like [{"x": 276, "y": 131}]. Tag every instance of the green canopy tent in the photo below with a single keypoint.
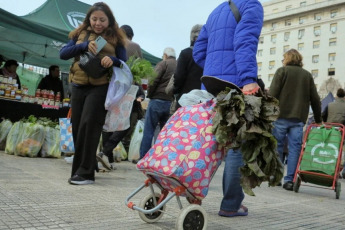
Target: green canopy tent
[{"x": 36, "y": 38}]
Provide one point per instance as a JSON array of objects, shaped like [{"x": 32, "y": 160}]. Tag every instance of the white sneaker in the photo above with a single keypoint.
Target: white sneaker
[
  {"x": 69, "y": 159},
  {"x": 103, "y": 159}
]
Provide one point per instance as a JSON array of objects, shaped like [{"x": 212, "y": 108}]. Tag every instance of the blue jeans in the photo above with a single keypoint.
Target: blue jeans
[
  {"x": 293, "y": 128},
  {"x": 232, "y": 190},
  {"x": 157, "y": 112}
]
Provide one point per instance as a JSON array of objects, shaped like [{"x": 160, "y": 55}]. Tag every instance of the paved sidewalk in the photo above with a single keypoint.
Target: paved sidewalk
[{"x": 34, "y": 194}]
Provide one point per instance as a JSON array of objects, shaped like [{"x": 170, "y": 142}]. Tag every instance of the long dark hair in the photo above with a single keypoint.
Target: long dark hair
[{"x": 113, "y": 34}]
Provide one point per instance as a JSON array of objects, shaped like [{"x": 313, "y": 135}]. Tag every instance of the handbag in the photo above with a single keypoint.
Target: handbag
[
  {"x": 91, "y": 63},
  {"x": 66, "y": 137}
]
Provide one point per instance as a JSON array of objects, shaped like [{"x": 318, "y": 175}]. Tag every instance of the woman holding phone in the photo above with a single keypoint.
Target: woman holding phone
[{"x": 89, "y": 93}]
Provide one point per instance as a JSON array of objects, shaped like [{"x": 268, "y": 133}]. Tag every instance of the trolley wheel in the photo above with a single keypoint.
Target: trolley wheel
[
  {"x": 192, "y": 217},
  {"x": 297, "y": 184},
  {"x": 147, "y": 204},
  {"x": 337, "y": 189}
]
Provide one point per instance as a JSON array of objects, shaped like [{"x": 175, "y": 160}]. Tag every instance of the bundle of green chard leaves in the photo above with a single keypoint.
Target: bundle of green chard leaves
[
  {"x": 140, "y": 68},
  {"x": 245, "y": 122}
]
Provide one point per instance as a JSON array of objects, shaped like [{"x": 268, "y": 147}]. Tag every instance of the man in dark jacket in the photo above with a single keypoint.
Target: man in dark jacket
[
  {"x": 294, "y": 87},
  {"x": 52, "y": 81},
  {"x": 158, "y": 109},
  {"x": 188, "y": 73}
]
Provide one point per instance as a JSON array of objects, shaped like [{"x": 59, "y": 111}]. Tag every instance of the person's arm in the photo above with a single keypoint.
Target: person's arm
[
  {"x": 71, "y": 49},
  {"x": 276, "y": 84},
  {"x": 140, "y": 92},
  {"x": 180, "y": 72},
  {"x": 325, "y": 114},
  {"x": 41, "y": 85},
  {"x": 18, "y": 82},
  {"x": 315, "y": 102},
  {"x": 120, "y": 55},
  {"x": 200, "y": 47},
  {"x": 246, "y": 41},
  {"x": 160, "y": 70}
]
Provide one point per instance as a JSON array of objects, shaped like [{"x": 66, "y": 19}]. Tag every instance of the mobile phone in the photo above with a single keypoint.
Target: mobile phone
[{"x": 100, "y": 41}]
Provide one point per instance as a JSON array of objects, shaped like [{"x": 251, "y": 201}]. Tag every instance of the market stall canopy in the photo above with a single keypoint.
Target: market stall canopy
[{"x": 36, "y": 38}]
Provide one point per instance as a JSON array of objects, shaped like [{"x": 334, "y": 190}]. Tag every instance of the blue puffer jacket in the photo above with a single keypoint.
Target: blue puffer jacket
[{"x": 227, "y": 50}]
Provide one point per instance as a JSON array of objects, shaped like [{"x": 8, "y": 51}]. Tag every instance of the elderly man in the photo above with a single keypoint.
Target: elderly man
[{"x": 158, "y": 109}]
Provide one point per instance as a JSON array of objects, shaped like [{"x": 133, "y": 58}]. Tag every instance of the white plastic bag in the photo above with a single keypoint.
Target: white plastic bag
[
  {"x": 196, "y": 96},
  {"x": 5, "y": 127},
  {"x": 51, "y": 143},
  {"x": 30, "y": 140},
  {"x": 134, "y": 147},
  {"x": 12, "y": 137},
  {"x": 119, "y": 152},
  {"x": 118, "y": 116},
  {"x": 120, "y": 82}
]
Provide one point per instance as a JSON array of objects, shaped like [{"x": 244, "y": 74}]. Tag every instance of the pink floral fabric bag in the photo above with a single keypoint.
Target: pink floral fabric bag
[{"x": 186, "y": 150}]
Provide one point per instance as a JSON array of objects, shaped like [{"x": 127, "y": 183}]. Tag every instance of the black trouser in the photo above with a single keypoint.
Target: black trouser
[
  {"x": 88, "y": 116},
  {"x": 112, "y": 139}
]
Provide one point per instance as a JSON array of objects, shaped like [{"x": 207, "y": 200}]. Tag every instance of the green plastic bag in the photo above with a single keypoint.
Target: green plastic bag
[{"x": 321, "y": 150}]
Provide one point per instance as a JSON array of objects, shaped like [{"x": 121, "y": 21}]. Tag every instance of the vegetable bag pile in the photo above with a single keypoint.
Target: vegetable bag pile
[{"x": 245, "y": 122}]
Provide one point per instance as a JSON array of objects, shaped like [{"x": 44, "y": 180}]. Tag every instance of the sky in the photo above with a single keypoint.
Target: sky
[{"x": 157, "y": 24}]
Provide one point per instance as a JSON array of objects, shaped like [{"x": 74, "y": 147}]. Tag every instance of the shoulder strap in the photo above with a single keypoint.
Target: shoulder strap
[{"x": 235, "y": 11}]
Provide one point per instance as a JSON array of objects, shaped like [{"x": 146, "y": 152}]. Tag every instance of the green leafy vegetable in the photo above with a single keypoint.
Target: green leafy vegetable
[
  {"x": 140, "y": 68},
  {"x": 248, "y": 119}
]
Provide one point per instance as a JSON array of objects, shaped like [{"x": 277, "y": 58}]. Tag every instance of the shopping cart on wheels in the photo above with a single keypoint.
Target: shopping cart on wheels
[
  {"x": 181, "y": 163},
  {"x": 320, "y": 158}
]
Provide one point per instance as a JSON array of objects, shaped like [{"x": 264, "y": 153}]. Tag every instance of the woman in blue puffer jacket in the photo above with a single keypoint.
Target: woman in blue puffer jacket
[{"x": 227, "y": 50}]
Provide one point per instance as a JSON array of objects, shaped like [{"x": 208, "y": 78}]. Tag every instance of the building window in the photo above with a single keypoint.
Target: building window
[
  {"x": 333, "y": 13},
  {"x": 316, "y": 44},
  {"x": 315, "y": 58},
  {"x": 270, "y": 77},
  {"x": 286, "y": 36},
  {"x": 302, "y": 19},
  {"x": 288, "y": 22},
  {"x": 300, "y": 33},
  {"x": 286, "y": 48},
  {"x": 315, "y": 73},
  {"x": 273, "y": 50},
  {"x": 304, "y": 3},
  {"x": 331, "y": 71},
  {"x": 300, "y": 46},
  {"x": 317, "y": 30},
  {"x": 259, "y": 66},
  {"x": 333, "y": 28},
  {"x": 272, "y": 64},
  {"x": 274, "y": 25},
  {"x": 288, "y": 7},
  {"x": 317, "y": 16},
  {"x": 273, "y": 38},
  {"x": 259, "y": 53},
  {"x": 331, "y": 57},
  {"x": 332, "y": 41},
  {"x": 261, "y": 40}
]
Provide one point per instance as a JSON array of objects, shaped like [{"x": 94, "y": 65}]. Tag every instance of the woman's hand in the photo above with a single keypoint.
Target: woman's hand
[
  {"x": 92, "y": 47},
  {"x": 106, "y": 62}
]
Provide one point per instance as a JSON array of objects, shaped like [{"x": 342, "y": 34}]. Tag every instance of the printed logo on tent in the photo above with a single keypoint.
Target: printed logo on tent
[
  {"x": 324, "y": 153},
  {"x": 75, "y": 18}
]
